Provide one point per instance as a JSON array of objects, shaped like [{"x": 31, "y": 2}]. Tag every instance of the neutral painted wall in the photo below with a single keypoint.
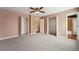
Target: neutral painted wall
[
  {"x": 62, "y": 20},
  {"x": 9, "y": 23}
]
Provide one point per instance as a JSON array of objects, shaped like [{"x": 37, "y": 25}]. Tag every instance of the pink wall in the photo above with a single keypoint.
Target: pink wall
[
  {"x": 8, "y": 23},
  {"x": 62, "y": 20}
]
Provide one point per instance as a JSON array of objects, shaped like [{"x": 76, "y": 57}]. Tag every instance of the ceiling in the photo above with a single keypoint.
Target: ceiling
[{"x": 48, "y": 10}]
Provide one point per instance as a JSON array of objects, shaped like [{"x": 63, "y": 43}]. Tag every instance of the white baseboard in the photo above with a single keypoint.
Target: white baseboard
[{"x": 9, "y": 37}]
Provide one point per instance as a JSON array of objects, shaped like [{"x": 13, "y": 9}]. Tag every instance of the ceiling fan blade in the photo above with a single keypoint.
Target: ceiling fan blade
[
  {"x": 40, "y": 8},
  {"x": 32, "y": 8},
  {"x": 32, "y": 11},
  {"x": 42, "y": 11}
]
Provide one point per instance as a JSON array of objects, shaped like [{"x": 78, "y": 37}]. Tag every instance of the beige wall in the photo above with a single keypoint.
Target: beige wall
[
  {"x": 62, "y": 21},
  {"x": 9, "y": 23}
]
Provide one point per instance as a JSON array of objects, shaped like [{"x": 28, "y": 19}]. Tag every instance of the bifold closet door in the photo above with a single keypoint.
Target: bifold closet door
[{"x": 52, "y": 25}]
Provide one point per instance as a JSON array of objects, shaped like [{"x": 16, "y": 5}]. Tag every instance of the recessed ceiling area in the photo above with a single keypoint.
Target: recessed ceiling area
[{"x": 48, "y": 10}]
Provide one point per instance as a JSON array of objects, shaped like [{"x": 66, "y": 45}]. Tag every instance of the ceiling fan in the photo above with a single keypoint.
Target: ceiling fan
[{"x": 37, "y": 10}]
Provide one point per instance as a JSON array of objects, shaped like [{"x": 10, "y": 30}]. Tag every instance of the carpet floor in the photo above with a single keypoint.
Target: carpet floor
[{"x": 39, "y": 42}]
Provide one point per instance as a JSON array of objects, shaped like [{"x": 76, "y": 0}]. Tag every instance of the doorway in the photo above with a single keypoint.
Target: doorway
[
  {"x": 72, "y": 26},
  {"x": 23, "y": 26},
  {"x": 38, "y": 24}
]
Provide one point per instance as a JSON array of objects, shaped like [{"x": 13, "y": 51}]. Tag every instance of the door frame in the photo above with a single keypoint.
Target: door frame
[{"x": 75, "y": 13}]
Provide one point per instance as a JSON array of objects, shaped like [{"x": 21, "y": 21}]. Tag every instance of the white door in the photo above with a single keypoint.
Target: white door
[
  {"x": 42, "y": 25},
  {"x": 24, "y": 25}
]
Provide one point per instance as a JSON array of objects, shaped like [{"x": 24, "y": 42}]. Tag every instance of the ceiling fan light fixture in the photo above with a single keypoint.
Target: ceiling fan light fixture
[{"x": 37, "y": 12}]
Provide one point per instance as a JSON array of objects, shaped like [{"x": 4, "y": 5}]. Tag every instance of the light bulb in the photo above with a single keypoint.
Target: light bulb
[{"x": 37, "y": 12}]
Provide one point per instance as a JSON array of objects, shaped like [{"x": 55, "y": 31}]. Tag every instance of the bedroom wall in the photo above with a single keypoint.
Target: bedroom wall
[
  {"x": 9, "y": 23},
  {"x": 62, "y": 20}
]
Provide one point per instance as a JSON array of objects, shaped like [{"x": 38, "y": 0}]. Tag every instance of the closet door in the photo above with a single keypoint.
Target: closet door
[{"x": 52, "y": 25}]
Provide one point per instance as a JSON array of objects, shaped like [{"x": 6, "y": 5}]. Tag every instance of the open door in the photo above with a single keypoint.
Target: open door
[{"x": 72, "y": 26}]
